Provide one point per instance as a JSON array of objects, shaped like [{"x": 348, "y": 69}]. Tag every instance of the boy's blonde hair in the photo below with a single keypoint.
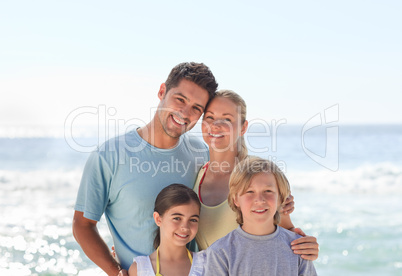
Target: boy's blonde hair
[{"x": 242, "y": 175}]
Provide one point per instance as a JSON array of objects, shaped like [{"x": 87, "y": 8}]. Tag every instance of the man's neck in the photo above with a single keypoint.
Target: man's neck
[{"x": 156, "y": 136}]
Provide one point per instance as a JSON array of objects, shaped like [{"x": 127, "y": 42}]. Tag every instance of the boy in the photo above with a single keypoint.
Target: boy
[{"x": 257, "y": 189}]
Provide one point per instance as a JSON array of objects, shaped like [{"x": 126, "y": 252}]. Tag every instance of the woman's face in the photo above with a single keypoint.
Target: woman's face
[{"x": 221, "y": 125}]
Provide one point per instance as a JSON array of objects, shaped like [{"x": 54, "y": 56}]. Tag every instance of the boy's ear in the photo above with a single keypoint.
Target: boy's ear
[
  {"x": 236, "y": 203},
  {"x": 162, "y": 91},
  {"x": 157, "y": 218}
]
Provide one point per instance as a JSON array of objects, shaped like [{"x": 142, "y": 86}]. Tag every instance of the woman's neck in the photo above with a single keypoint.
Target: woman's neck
[{"x": 221, "y": 162}]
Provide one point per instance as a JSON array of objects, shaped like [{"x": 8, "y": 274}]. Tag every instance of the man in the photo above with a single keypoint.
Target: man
[{"x": 123, "y": 177}]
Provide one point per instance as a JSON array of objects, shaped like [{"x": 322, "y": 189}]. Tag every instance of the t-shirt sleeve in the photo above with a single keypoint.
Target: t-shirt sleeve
[
  {"x": 306, "y": 268},
  {"x": 215, "y": 264},
  {"x": 94, "y": 188}
]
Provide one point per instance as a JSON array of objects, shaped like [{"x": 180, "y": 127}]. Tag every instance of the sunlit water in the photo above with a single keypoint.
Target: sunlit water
[{"x": 354, "y": 211}]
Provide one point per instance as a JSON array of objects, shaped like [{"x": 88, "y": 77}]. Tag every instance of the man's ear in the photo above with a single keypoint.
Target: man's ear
[
  {"x": 244, "y": 127},
  {"x": 157, "y": 218},
  {"x": 162, "y": 91}
]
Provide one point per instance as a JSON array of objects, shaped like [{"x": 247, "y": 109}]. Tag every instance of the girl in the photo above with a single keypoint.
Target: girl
[
  {"x": 223, "y": 127},
  {"x": 176, "y": 213}
]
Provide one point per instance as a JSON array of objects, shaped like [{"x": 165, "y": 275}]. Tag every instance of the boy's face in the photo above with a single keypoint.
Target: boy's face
[
  {"x": 181, "y": 107},
  {"x": 259, "y": 204}
]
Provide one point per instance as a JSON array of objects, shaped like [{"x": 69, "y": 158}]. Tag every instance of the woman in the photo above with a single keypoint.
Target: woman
[{"x": 223, "y": 127}]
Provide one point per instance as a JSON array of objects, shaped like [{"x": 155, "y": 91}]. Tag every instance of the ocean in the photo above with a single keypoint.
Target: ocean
[{"x": 346, "y": 180}]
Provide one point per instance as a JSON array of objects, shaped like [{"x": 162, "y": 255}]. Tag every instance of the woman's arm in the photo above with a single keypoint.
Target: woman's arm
[{"x": 306, "y": 246}]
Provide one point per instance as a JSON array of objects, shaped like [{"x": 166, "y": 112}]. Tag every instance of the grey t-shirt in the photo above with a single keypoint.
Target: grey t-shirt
[{"x": 240, "y": 253}]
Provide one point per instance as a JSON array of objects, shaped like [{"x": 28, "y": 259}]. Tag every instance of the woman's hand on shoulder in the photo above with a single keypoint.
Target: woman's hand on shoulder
[{"x": 306, "y": 246}]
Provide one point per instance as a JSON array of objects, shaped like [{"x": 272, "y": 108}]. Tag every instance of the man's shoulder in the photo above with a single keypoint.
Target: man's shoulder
[
  {"x": 193, "y": 141},
  {"x": 128, "y": 139}
]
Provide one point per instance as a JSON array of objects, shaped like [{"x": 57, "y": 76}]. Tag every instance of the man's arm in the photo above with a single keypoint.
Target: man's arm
[{"x": 86, "y": 234}]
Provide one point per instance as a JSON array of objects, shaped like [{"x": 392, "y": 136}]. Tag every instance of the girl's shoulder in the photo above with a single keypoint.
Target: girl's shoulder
[{"x": 144, "y": 266}]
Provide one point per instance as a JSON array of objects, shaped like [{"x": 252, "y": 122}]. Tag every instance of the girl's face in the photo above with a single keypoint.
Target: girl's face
[
  {"x": 259, "y": 203},
  {"x": 179, "y": 224},
  {"x": 221, "y": 125}
]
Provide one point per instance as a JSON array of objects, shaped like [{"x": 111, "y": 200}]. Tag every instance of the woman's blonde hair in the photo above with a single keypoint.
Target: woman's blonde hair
[
  {"x": 242, "y": 151},
  {"x": 242, "y": 175}
]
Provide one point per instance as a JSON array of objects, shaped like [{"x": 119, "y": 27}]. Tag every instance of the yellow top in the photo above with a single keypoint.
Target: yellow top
[
  {"x": 158, "y": 265},
  {"x": 215, "y": 221}
]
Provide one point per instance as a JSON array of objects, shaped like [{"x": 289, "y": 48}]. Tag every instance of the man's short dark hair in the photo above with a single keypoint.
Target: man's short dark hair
[{"x": 197, "y": 73}]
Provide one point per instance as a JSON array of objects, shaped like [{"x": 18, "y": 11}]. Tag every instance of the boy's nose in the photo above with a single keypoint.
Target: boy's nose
[{"x": 259, "y": 198}]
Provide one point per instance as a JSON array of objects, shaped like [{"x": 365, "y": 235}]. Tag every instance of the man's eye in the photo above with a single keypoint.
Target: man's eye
[
  {"x": 180, "y": 100},
  {"x": 197, "y": 109}
]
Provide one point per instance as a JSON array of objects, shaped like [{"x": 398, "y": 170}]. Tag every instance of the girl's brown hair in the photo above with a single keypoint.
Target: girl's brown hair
[{"x": 171, "y": 196}]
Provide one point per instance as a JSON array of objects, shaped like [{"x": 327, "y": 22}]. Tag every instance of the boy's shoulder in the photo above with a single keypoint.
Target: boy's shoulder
[
  {"x": 224, "y": 242},
  {"x": 287, "y": 234}
]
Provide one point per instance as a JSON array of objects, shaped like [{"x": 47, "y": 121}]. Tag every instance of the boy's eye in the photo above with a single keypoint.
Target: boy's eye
[{"x": 194, "y": 220}]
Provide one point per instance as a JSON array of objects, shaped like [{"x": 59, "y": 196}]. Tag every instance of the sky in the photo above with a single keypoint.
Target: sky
[{"x": 82, "y": 62}]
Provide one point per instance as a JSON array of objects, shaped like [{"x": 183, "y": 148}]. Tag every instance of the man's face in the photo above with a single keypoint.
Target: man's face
[{"x": 181, "y": 107}]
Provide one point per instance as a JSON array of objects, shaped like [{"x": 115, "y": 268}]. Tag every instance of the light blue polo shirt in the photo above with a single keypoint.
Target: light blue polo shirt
[{"x": 122, "y": 179}]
